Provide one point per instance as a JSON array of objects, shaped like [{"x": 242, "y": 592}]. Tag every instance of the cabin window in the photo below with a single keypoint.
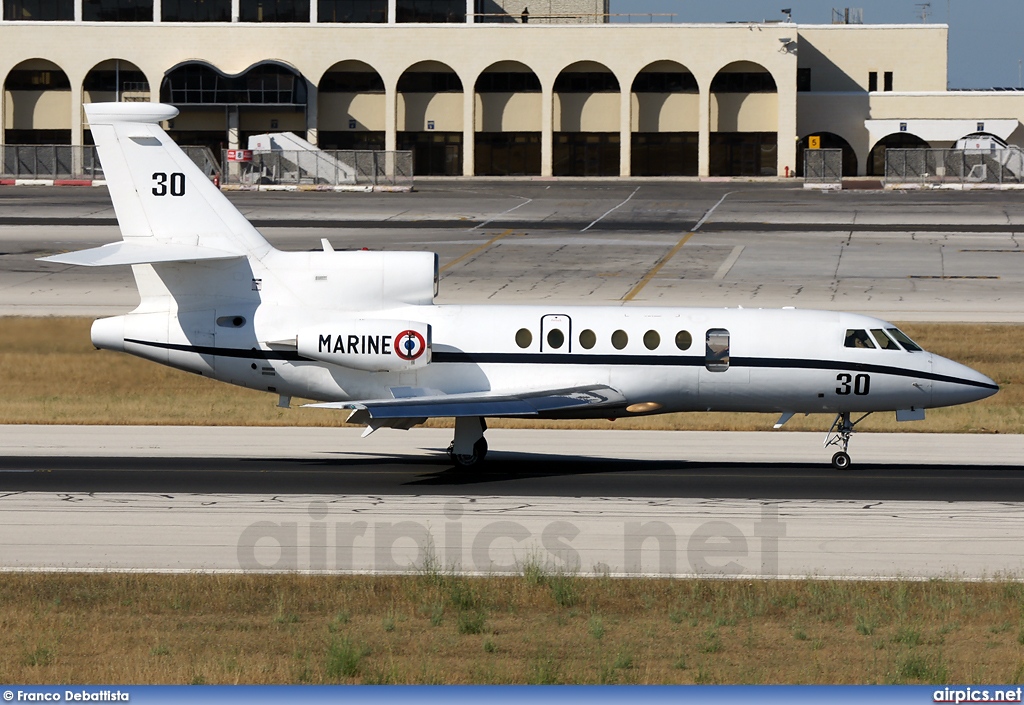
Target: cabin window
[
  {"x": 858, "y": 339},
  {"x": 903, "y": 339},
  {"x": 556, "y": 338},
  {"x": 619, "y": 339},
  {"x": 588, "y": 339},
  {"x": 716, "y": 354},
  {"x": 523, "y": 338},
  {"x": 652, "y": 340},
  {"x": 684, "y": 340},
  {"x": 884, "y": 341}
]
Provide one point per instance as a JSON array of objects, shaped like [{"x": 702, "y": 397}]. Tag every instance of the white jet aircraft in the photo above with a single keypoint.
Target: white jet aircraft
[{"x": 359, "y": 330}]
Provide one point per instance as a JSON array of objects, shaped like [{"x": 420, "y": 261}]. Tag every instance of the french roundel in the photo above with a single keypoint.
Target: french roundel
[{"x": 409, "y": 345}]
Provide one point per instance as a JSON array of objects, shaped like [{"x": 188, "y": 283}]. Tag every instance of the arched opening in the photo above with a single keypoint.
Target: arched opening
[
  {"x": 666, "y": 113},
  {"x": 351, "y": 107},
  {"x": 220, "y": 110},
  {"x": 430, "y": 118},
  {"x": 586, "y": 116},
  {"x": 897, "y": 140},
  {"x": 39, "y": 104},
  {"x": 508, "y": 120},
  {"x": 114, "y": 80},
  {"x": 744, "y": 121},
  {"x": 829, "y": 140}
]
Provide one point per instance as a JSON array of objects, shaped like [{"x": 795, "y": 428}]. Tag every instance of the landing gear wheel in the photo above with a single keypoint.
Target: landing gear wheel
[
  {"x": 471, "y": 460},
  {"x": 841, "y": 460}
]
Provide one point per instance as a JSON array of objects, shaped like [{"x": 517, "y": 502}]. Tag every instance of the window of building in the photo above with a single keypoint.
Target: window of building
[
  {"x": 39, "y": 10},
  {"x": 443, "y": 11},
  {"x": 195, "y": 10},
  {"x": 507, "y": 82},
  {"x": 743, "y": 82},
  {"x": 887, "y": 81},
  {"x": 872, "y": 80},
  {"x": 588, "y": 339},
  {"x": 507, "y": 153},
  {"x": 619, "y": 339},
  {"x": 586, "y": 82},
  {"x": 37, "y": 80},
  {"x": 352, "y": 82},
  {"x": 196, "y": 84},
  {"x": 352, "y": 11},
  {"x": 659, "y": 82},
  {"x": 429, "y": 82},
  {"x": 585, "y": 154},
  {"x": 117, "y": 10},
  {"x": 803, "y": 80},
  {"x": 273, "y": 11}
]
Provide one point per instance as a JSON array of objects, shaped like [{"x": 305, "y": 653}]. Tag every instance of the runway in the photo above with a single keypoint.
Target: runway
[
  {"x": 925, "y": 256},
  {"x": 622, "y": 503}
]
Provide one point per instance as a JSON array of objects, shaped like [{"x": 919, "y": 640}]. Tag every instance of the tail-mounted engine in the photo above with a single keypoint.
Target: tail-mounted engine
[{"x": 369, "y": 345}]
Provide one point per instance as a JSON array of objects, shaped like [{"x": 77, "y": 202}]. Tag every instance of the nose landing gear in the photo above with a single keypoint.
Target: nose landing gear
[{"x": 839, "y": 435}]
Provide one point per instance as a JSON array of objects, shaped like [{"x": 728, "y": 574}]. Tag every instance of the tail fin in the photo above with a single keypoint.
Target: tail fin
[{"x": 168, "y": 210}]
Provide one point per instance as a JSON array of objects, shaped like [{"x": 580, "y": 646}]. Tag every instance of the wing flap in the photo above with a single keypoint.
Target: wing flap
[
  {"x": 117, "y": 253},
  {"x": 478, "y": 404}
]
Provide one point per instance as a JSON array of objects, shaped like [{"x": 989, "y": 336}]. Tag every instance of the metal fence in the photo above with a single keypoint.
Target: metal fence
[
  {"x": 321, "y": 168},
  {"x": 823, "y": 166},
  {"x": 954, "y": 166},
  {"x": 48, "y": 161}
]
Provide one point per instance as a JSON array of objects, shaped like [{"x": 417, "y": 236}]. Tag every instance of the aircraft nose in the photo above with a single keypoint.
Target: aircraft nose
[{"x": 958, "y": 384}]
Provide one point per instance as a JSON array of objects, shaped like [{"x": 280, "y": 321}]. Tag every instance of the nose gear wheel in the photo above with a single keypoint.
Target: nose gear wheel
[{"x": 839, "y": 435}]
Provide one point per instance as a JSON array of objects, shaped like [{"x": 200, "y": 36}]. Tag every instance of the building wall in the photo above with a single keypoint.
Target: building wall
[
  {"x": 549, "y": 11},
  {"x": 841, "y": 56}
]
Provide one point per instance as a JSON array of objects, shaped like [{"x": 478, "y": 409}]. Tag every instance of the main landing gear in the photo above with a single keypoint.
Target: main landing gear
[
  {"x": 469, "y": 448},
  {"x": 839, "y": 435}
]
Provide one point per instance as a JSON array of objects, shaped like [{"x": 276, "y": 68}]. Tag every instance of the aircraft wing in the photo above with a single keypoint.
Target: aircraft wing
[{"x": 409, "y": 405}]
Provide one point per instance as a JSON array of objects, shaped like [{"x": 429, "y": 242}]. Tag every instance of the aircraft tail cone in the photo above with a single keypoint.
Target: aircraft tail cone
[{"x": 108, "y": 333}]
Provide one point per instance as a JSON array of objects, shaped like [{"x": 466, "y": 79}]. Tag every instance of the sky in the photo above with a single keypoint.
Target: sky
[{"x": 986, "y": 37}]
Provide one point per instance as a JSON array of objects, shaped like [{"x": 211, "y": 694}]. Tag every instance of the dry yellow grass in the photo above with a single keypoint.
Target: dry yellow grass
[
  {"x": 535, "y": 628},
  {"x": 53, "y": 375}
]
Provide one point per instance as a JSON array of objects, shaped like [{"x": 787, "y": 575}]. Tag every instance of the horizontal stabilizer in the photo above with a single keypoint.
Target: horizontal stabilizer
[
  {"x": 479, "y": 404},
  {"x": 137, "y": 253}
]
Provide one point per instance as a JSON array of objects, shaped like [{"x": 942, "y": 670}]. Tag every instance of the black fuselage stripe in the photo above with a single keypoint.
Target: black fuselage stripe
[{"x": 445, "y": 357}]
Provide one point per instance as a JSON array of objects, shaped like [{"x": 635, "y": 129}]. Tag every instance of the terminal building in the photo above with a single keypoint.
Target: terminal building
[{"x": 495, "y": 87}]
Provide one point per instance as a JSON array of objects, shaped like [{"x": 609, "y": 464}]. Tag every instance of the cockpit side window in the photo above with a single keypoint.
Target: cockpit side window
[
  {"x": 884, "y": 341},
  {"x": 858, "y": 339},
  {"x": 904, "y": 340}
]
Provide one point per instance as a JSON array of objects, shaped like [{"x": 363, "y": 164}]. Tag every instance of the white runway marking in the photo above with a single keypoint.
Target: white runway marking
[
  {"x": 491, "y": 220},
  {"x": 611, "y": 210},
  {"x": 710, "y": 211},
  {"x": 723, "y": 271}
]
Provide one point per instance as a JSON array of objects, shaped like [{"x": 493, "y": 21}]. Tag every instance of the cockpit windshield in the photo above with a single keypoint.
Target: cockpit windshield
[
  {"x": 904, "y": 340},
  {"x": 858, "y": 339},
  {"x": 884, "y": 341}
]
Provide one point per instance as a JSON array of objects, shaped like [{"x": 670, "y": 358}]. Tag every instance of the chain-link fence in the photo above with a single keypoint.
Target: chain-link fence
[
  {"x": 48, "y": 161},
  {"x": 321, "y": 168},
  {"x": 823, "y": 166},
  {"x": 954, "y": 166}
]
